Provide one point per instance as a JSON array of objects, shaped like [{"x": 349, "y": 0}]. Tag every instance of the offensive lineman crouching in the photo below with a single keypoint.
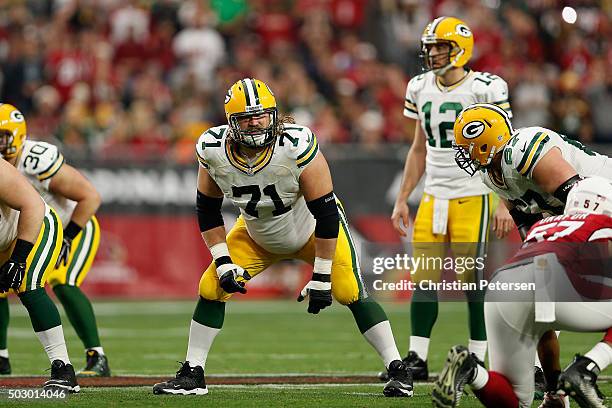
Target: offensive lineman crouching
[{"x": 274, "y": 173}]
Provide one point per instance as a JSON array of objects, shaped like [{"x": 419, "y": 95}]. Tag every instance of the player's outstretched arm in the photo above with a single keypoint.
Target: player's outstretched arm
[
  {"x": 208, "y": 207},
  {"x": 17, "y": 192},
  {"x": 317, "y": 188},
  {"x": 413, "y": 171}
]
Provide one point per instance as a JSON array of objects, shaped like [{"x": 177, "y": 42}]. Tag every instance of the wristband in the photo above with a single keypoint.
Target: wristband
[
  {"x": 72, "y": 230},
  {"x": 21, "y": 251},
  {"x": 322, "y": 266},
  {"x": 220, "y": 254}
]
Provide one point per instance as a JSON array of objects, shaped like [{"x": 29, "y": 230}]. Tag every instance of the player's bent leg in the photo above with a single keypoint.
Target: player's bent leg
[
  {"x": 43, "y": 314},
  {"x": 513, "y": 339},
  {"x": 579, "y": 379},
  {"x": 209, "y": 313},
  {"x": 66, "y": 281},
  {"x": 5, "y": 365},
  {"x": 349, "y": 290}
]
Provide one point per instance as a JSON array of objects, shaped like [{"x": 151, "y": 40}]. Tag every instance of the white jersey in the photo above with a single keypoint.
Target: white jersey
[
  {"x": 437, "y": 107},
  {"x": 268, "y": 191},
  {"x": 8, "y": 226},
  {"x": 39, "y": 162},
  {"x": 523, "y": 152}
]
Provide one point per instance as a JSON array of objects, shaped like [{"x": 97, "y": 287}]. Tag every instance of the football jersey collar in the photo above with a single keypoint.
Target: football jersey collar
[{"x": 243, "y": 165}]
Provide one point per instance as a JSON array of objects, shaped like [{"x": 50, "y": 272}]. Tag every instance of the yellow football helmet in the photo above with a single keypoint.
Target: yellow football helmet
[
  {"x": 12, "y": 130},
  {"x": 481, "y": 131},
  {"x": 251, "y": 97},
  {"x": 452, "y": 31}
]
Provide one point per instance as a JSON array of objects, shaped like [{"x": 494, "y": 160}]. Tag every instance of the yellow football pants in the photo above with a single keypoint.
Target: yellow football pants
[
  {"x": 347, "y": 284},
  {"x": 467, "y": 234},
  {"x": 43, "y": 256},
  {"x": 83, "y": 251}
]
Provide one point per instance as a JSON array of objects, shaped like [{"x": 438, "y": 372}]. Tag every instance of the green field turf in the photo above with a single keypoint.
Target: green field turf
[{"x": 148, "y": 338}]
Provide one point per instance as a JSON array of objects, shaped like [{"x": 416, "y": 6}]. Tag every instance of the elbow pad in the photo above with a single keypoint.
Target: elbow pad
[
  {"x": 563, "y": 190},
  {"x": 209, "y": 212},
  {"x": 524, "y": 221},
  {"x": 325, "y": 211}
]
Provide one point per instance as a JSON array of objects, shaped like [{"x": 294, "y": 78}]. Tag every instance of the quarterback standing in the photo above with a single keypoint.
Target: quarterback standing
[
  {"x": 569, "y": 252},
  {"x": 276, "y": 175},
  {"x": 76, "y": 201},
  {"x": 454, "y": 208}
]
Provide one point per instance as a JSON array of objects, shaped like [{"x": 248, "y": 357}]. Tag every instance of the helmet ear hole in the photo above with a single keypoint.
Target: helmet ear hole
[{"x": 483, "y": 148}]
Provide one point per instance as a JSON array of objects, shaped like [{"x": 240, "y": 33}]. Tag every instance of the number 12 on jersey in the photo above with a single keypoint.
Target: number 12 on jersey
[{"x": 443, "y": 127}]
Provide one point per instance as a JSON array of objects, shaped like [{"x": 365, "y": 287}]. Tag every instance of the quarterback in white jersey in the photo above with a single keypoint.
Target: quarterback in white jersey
[
  {"x": 274, "y": 173},
  {"x": 76, "y": 201},
  {"x": 455, "y": 208},
  {"x": 436, "y": 107}
]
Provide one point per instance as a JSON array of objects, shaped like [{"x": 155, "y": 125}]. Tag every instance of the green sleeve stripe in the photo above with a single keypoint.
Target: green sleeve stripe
[
  {"x": 410, "y": 109},
  {"x": 308, "y": 149},
  {"x": 309, "y": 159},
  {"x": 500, "y": 102},
  {"x": 536, "y": 155},
  {"x": 410, "y": 102},
  {"x": 201, "y": 159},
  {"x": 527, "y": 152},
  {"x": 51, "y": 171}
]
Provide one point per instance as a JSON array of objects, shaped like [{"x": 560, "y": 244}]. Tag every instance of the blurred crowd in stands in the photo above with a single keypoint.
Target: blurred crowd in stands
[{"x": 144, "y": 76}]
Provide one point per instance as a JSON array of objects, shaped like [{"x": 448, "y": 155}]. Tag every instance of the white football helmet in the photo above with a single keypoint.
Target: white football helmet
[{"x": 593, "y": 195}]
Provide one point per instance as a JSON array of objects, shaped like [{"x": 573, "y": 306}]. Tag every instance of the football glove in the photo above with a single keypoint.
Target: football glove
[
  {"x": 64, "y": 253},
  {"x": 11, "y": 275},
  {"x": 228, "y": 278},
  {"x": 318, "y": 291}
]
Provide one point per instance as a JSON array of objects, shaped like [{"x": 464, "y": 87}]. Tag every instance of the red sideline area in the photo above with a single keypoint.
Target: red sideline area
[{"x": 137, "y": 381}]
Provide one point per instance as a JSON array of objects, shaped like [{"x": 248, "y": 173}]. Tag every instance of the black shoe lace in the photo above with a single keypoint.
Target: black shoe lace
[{"x": 184, "y": 371}]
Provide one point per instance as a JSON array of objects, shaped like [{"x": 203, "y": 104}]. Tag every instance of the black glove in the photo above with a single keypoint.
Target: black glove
[
  {"x": 13, "y": 271},
  {"x": 64, "y": 253},
  {"x": 70, "y": 232},
  {"x": 318, "y": 289},
  {"x": 228, "y": 278},
  {"x": 11, "y": 275}
]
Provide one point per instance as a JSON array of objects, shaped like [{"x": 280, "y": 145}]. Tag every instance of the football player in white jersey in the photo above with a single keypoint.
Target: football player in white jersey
[
  {"x": 276, "y": 175},
  {"x": 454, "y": 208},
  {"x": 531, "y": 168},
  {"x": 76, "y": 201},
  {"x": 30, "y": 240}
]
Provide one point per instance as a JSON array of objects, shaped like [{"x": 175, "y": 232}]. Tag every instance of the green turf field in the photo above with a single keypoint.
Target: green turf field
[{"x": 148, "y": 338}]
